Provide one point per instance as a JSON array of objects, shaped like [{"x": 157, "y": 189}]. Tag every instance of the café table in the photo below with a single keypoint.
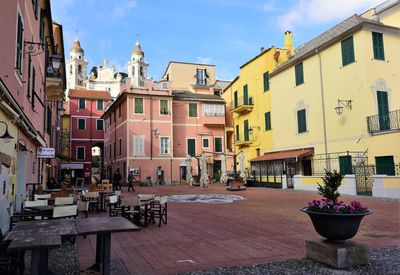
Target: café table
[
  {"x": 42, "y": 210},
  {"x": 103, "y": 227}
]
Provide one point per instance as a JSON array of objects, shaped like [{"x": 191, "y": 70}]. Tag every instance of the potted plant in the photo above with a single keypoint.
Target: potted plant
[{"x": 333, "y": 219}]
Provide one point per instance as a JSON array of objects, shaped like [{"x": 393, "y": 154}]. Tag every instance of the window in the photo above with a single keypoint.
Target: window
[
  {"x": 49, "y": 114},
  {"x": 35, "y": 8},
  {"x": 307, "y": 168},
  {"x": 28, "y": 84},
  {"x": 120, "y": 146},
  {"x": 377, "y": 42},
  {"x": 138, "y": 105},
  {"x": 163, "y": 107},
  {"x": 266, "y": 81},
  {"x": 100, "y": 104},
  {"x": 245, "y": 95},
  {"x": 138, "y": 145},
  {"x": 218, "y": 144},
  {"x": 383, "y": 110},
  {"x": 267, "y": 121},
  {"x": 385, "y": 165},
  {"x": 115, "y": 149},
  {"x": 82, "y": 104},
  {"x": 201, "y": 75},
  {"x": 192, "y": 109},
  {"x": 81, "y": 124},
  {"x": 191, "y": 146},
  {"x": 237, "y": 133},
  {"x": 205, "y": 143},
  {"x": 301, "y": 121},
  {"x": 164, "y": 145},
  {"x": 110, "y": 120},
  {"x": 80, "y": 152},
  {"x": 119, "y": 111},
  {"x": 213, "y": 109},
  {"x": 20, "y": 44},
  {"x": 235, "y": 99},
  {"x": 246, "y": 130},
  {"x": 347, "y": 51},
  {"x": 99, "y": 125},
  {"x": 33, "y": 90},
  {"x": 42, "y": 25},
  {"x": 345, "y": 165},
  {"x": 299, "y": 74}
]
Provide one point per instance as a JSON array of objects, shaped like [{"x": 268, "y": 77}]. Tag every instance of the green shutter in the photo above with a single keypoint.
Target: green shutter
[
  {"x": 82, "y": 104},
  {"x": 205, "y": 142},
  {"x": 347, "y": 51},
  {"x": 237, "y": 133},
  {"x": 299, "y": 74},
  {"x": 245, "y": 95},
  {"x": 235, "y": 99},
  {"x": 246, "y": 130},
  {"x": 385, "y": 165},
  {"x": 191, "y": 147},
  {"x": 192, "y": 109},
  {"x": 345, "y": 165},
  {"x": 383, "y": 110},
  {"x": 268, "y": 121},
  {"x": 301, "y": 121},
  {"x": 99, "y": 104},
  {"x": 139, "y": 105},
  {"x": 99, "y": 125},
  {"x": 81, "y": 124},
  {"x": 377, "y": 41},
  {"x": 164, "y": 107},
  {"x": 266, "y": 81},
  {"x": 29, "y": 76},
  {"x": 218, "y": 144}
]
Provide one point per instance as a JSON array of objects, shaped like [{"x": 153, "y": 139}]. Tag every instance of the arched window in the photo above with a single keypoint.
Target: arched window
[
  {"x": 141, "y": 71},
  {"x": 70, "y": 69},
  {"x": 79, "y": 69}
]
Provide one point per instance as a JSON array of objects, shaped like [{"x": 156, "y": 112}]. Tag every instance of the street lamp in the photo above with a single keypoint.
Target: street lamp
[
  {"x": 342, "y": 103},
  {"x": 6, "y": 136}
]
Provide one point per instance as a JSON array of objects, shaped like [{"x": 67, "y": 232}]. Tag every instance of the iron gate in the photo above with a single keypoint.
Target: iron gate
[{"x": 363, "y": 174}]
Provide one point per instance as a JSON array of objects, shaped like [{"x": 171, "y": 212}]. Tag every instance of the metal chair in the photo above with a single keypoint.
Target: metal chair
[{"x": 158, "y": 210}]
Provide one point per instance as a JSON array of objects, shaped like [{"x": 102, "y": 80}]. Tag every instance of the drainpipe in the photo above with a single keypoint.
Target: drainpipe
[
  {"x": 151, "y": 126},
  {"x": 328, "y": 165}
]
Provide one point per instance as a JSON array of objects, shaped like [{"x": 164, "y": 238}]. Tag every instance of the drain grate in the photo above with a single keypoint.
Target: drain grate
[{"x": 185, "y": 261}]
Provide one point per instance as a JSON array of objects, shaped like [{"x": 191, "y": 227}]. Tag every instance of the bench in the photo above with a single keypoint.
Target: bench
[{"x": 236, "y": 186}]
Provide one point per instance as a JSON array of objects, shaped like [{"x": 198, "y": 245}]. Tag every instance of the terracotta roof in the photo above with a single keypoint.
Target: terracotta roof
[
  {"x": 285, "y": 154},
  {"x": 187, "y": 95},
  {"x": 89, "y": 94}
]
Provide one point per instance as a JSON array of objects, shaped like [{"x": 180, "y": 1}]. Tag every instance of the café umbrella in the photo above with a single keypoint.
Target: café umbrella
[
  {"x": 224, "y": 176},
  {"x": 189, "y": 177},
  {"x": 204, "y": 174}
]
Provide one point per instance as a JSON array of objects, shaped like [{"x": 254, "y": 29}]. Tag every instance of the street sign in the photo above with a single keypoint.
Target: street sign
[{"x": 46, "y": 153}]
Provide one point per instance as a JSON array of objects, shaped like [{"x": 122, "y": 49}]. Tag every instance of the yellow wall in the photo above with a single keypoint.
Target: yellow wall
[
  {"x": 252, "y": 74},
  {"x": 357, "y": 81},
  {"x": 66, "y": 124},
  {"x": 183, "y": 76}
]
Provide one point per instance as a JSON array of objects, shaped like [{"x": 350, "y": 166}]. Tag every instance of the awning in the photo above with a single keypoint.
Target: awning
[
  {"x": 71, "y": 165},
  {"x": 285, "y": 154}
]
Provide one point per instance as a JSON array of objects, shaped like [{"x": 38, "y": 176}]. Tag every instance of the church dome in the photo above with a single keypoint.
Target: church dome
[
  {"x": 76, "y": 46},
  {"x": 138, "y": 49}
]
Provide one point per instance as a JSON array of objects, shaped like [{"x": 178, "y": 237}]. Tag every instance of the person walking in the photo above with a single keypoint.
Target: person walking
[
  {"x": 117, "y": 180},
  {"x": 130, "y": 181}
]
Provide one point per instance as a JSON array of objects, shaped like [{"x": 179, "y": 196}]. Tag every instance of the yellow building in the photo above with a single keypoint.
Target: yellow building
[
  {"x": 248, "y": 100},
  {"x": 336, "y": 105}
]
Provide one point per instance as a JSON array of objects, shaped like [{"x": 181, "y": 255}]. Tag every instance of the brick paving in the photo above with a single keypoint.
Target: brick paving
[{"x": 266, "y": 227}]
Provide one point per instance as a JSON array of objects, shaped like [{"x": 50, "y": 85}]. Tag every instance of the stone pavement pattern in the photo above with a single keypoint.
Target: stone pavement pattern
[{"x": 266, "y": 227}]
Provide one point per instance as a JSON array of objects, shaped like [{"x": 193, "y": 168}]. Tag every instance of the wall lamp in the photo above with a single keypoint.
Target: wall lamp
[
  {"x": 35, "y": 48},
  {"x": 251, "y": 129},
  {"x": 6, "y": 136},
  {"x": 21, "y": 145},
  {"x": 341, "y": 104}
]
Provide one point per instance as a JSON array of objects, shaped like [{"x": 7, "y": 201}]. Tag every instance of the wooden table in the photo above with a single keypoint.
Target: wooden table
[{"x": 103, "y": 227}]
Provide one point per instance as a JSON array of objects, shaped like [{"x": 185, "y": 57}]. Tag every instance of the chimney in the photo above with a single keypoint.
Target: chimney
[
  {"x": 261, "y": 49},
  {"x": 289, "y": 42}
]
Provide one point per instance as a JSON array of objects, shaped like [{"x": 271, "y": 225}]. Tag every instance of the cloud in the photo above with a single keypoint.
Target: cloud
[
  {"x": 308, "y": 12},
  {"x": 122, "y": 7},
  {"x": 204, "y": 60},
  {"x": 270, "y": 6}
]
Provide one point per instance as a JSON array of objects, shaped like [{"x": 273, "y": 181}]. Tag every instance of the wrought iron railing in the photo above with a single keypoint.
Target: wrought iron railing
[
  {"x": 243, "y": 136},
  {"x": 384, "y": 122},
  {"x": 241, "y": 101}
]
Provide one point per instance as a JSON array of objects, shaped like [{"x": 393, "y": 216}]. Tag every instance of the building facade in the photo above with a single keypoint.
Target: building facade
[{"x": 31, "y": 87}]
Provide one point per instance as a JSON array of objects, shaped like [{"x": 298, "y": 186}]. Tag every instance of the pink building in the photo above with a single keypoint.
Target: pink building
[
  {"x": 151, "y": 126},
  {"x": 31, "y": 92},
  {"x": 86, "y": 131}
]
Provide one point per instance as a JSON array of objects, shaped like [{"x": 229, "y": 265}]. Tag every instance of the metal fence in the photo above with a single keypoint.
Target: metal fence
[
  {"x": 331, "y": 161},
  {"x": 384, "y": 122}
]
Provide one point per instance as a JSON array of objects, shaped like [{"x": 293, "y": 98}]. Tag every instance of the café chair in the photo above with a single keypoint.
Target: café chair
[
  {"x": 114, "y": 208},
  {"x": 41, "y": 197},
  {"x": 35, "y": 203},
  {"x": 158, "y": 210},
  {"x": 63, "y": 190},
  {"x": 70, "y": 211},
  {"x": 64, "y": 201},
  {"x": 93, "y": 199},
  {"x": 83, "y": 206},
  {"x": 131, "y": 210}
]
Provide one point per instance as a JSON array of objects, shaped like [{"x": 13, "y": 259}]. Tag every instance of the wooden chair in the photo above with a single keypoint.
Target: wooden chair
[
  {"x": 41, "y": 197},
  {"x": 83, "y": 206},
  {"x": 92, "y": 188},
  {"x": 70, "y": 211},
  {"x": 114, "y": 208},
  {"x": 158, "y": 210},
  {"x": 131, "y": 209},
  {"x": 64, "y": 201},
  {"x": 93, "y": 199},
  {"x": 64, "y": 190}
]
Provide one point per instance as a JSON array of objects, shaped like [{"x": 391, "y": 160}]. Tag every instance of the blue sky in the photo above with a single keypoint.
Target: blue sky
[{"x": 226, "y": 33}]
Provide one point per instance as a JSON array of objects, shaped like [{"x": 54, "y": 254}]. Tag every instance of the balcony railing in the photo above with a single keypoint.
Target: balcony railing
[
  {"x": 242, "y": 105},
  {"x": 384, "y": 122},
  {"x": 243, "y": 138}
]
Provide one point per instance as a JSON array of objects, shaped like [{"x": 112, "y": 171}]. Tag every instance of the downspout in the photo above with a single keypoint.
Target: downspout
[
  {"x": 328, "y": 165},
  {"x": 151, "y": 126}
]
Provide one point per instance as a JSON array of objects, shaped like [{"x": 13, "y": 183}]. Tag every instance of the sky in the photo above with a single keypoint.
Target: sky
[{"x": 226, "y": 33}]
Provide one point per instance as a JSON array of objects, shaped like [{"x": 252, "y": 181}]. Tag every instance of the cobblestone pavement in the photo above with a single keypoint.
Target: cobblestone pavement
[{"x": 265, "y": 227}]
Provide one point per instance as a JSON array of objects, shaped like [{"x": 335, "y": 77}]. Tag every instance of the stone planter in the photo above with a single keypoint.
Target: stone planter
[{"x": 335, "y": 227}]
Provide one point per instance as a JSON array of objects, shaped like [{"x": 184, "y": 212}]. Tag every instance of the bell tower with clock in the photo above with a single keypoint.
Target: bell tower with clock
[
  {"x": 76, "y": 67},
  {"x": 137, "y": 67}
]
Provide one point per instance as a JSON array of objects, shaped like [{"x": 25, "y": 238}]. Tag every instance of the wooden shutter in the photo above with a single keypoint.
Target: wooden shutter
[
  {"x": 245, "y": 95},
  {"x": 218, "y": 144},
  {"x": 377, "y": 42},
  {"x": 383, "y": 110},
  {"x": 301, "y": 121},
  {"x": 299, "y": 74},
  {"x": 268, "y": 121},
  {"x": 191, "y": 147},
  {"x": 246, "y": 130},
  {"x": 266, "y": 81},
  {"x": 385, "y": 165},
  {"x": 347, "y": 51},
  {"x": 237, "y": 133},
  {"x": 345, "y": 165},
  {"x": 235, "y": 99}
]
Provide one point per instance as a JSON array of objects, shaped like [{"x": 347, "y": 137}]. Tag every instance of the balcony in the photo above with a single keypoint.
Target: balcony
[
  {"x": 54, "y": 87},
  {"x": 243, "y": 139},
  {"x": 384, "y": 122},
  {"x": 242, "y": 105}
]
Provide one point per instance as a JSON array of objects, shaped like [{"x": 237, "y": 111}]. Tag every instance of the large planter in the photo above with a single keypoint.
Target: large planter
[{"x": 335, "y": 227}]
